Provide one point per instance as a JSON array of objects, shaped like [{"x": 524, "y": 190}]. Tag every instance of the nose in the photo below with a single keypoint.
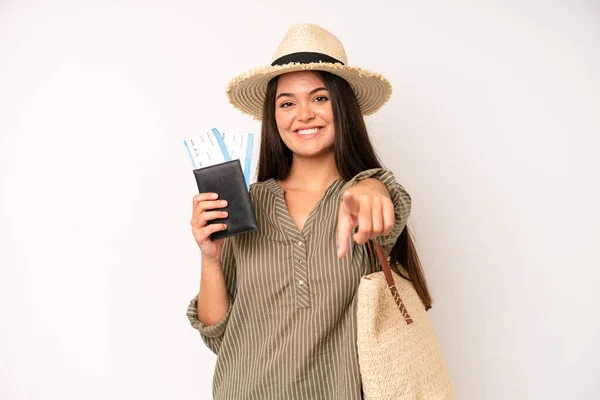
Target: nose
[{"x": 305, "y": 112}]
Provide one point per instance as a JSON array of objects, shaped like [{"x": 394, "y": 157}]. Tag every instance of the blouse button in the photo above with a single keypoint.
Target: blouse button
[{"x": 300, "y": 282}]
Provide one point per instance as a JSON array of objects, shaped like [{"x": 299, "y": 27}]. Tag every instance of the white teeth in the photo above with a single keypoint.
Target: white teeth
[{"x": 307, "y": 131}]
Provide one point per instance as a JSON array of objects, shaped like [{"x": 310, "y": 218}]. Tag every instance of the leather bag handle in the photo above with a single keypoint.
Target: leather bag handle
[{"x": 385, "y": 266}]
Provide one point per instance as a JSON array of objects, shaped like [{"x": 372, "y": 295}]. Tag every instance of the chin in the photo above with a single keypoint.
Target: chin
[{"x": 308, "y": 153}]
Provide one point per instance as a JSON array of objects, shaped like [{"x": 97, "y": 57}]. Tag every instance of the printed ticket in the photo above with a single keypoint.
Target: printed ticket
[{"x": 214, "y": 147}]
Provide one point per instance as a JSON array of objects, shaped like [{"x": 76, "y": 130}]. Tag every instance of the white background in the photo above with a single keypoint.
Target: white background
[{"x": 493, "y": 129}]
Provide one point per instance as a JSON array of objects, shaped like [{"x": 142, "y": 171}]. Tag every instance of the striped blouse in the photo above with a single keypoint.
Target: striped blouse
[{"x": 290, "y": 331}]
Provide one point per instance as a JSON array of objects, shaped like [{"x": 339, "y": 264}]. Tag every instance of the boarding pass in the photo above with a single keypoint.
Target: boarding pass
[{"x": 215, "y": 147}]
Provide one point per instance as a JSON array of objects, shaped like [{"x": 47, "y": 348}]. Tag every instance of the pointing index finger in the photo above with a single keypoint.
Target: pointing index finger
[{"x": 345, "y": 224}]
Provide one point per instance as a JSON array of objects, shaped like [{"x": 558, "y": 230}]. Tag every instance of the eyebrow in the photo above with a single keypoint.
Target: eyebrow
[{"x": 311, "y": 92}]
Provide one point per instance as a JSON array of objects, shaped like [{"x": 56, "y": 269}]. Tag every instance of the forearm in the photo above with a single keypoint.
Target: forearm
[{"x": 213, "y": 300}]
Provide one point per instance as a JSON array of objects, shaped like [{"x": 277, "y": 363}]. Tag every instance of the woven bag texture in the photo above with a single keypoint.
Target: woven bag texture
[{"x": 397, "y": 360}]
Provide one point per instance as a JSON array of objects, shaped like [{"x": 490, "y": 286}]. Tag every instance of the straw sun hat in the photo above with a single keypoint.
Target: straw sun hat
[{"x": 308, "y": 47}]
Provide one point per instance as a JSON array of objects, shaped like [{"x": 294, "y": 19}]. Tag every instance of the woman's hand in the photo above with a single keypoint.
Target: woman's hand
[
  {"x": 202, "y": 212},
  {"x": 367, "y": 204}
]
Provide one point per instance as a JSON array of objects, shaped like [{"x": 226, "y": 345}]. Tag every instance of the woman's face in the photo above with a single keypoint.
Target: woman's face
[{"x": 303, "y": 114}]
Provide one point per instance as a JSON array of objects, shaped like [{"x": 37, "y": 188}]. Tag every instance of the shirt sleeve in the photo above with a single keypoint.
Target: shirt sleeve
[
  {"x": 400, "y": 198},
  {"x": 213, "y": 335}
]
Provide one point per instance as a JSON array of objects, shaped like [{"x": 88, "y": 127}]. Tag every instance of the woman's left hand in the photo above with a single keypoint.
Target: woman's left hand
[{"x": 367, "y": 204}]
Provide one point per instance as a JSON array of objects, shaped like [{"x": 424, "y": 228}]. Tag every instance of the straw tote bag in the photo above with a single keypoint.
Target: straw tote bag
[{"x": 398, "y": 355}]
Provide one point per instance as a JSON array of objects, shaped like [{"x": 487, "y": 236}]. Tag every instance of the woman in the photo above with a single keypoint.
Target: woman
[{"x": 278, "y": 306}]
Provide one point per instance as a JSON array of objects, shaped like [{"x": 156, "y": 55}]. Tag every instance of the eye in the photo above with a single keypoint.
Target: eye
[
  {"x": 286, "y": 104},
  {"x": 321, "y": 99}
]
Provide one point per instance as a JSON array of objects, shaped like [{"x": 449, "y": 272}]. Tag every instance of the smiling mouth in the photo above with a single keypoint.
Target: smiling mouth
[{"x": 309, "y": 131}]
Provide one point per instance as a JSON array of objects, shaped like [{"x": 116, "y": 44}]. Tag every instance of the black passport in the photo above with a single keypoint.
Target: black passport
[{"x": 227, "y": 180}]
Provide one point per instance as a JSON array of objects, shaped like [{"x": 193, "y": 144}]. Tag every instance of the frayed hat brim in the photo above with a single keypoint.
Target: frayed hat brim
[{"x": 247, "y": 91}]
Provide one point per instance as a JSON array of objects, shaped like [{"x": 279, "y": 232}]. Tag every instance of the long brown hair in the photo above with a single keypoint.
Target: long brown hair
[{"x": 353, "y": 153}]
